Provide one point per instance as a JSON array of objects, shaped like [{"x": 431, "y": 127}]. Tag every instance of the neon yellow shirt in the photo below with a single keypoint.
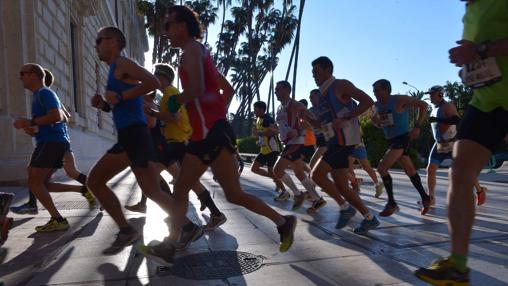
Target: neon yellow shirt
[
  {"x": 179, "y": 131},
  {"x": 487, "y": 20},
  {"x": 268, "y": 144}
]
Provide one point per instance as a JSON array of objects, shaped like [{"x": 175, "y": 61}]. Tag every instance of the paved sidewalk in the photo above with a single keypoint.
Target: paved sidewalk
[{"x": 321, "y": 255}]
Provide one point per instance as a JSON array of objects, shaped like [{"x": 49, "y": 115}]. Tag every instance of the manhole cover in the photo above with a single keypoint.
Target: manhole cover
[{"x": 213, "y": 265}]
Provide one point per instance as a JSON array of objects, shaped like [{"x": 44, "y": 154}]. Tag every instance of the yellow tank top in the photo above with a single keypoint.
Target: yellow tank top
[{"x": 181, "y": 130}]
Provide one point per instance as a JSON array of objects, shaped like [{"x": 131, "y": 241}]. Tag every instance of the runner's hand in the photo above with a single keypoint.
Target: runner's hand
[{"x": 463, "y": 54}]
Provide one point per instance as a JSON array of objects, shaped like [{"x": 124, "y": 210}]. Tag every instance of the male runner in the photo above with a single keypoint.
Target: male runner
[
  {"x": 209, "y": 144},
  {"x": 393, "y": 116}
]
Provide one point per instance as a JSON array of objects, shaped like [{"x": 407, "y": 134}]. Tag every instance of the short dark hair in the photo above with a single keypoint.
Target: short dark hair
[
  {"x": 116, "y": 34},
  {"x": 166, "y": 71},
  {"x": 285, "y": 84},
  {"x": 316, "y": 90},
  {"x": 384, "y": 83},
  {"x": 260, "y": 104},
  {"x": 191, "y": 19},
  {"x": 304, "y": 102},
  {"x": 323, "y": 62},
  {"x": 48, "y": 78}
]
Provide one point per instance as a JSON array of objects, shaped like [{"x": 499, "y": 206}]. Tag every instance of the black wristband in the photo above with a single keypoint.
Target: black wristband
[{"x": 32, "y": 122}]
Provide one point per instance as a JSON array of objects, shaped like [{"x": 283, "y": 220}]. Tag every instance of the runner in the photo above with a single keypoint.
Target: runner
[
  {"x": 483, "y": 54},
  {"x": 444, "y": 119},
  {"x": 69, "y": 166},
  {"x": 393, "y": 116},
  {"x": 320, "y": 138},
  {"x": 360, "y": 154},
  {"x": 266, "y": 131},
  {"x": 291, "y": 132},
  {"x": 127, "y": 83},
  {"x": 52, "y": 143},
  {"x": 209, "y": 144},
  {"x": 338, "y": 114},
  {"x": 171, "y": 144}
]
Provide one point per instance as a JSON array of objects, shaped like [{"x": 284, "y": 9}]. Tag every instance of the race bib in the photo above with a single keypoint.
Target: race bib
[
  {"x": 445, "y": 147},
  {"x": 386, "y": 119},
  {"x": 481, "y": 73},
  {"x": 328, "y": 131}
]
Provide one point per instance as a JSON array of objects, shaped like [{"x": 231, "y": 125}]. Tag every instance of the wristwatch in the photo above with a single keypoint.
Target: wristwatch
[{"x": 482, "y": 49}]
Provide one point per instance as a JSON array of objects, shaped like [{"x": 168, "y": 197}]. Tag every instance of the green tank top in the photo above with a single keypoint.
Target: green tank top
[{"x": 487, "y": 20}]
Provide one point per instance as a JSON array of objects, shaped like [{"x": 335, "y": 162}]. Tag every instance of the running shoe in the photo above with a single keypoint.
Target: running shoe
[
  {"x": 25, "y": 209},
  {"x": 287, "y": 232},
  {"x": 344, "y": 217},
  {"x": 298, "y": 201},
  {"x": 89, "y": 198},
  {"x": 138, "y": 208},
  {"x": 186, "y": 237},
  {"x": 481, "y": 196},
  {"x": 53, "y": 225},
  {"x": 425, "y": 206},
  {"x": 307, "y": 196},
  {"x": 367, "y": 225},
  {"x": 443, "y": 272},
  {"x": 379, "y": 190},
  {"x": 215, "y": 221},
  {"x": 122, "y": 240},
  {"x": 389, "y": 209},
  {"x": 163, "y": 253},
  {"x": 316, "y": 205},
  {"x": 284, "y": 196}
]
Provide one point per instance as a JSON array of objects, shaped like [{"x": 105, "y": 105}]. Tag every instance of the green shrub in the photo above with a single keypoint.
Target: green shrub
[{"x": 248, "y": 145}]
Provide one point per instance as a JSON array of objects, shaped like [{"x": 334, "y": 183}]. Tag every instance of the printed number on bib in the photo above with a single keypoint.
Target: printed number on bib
[
  {"x": 481, "y": 73},
  {"x": 386, "y": 119},
  {"x": 445, "y": 147}
]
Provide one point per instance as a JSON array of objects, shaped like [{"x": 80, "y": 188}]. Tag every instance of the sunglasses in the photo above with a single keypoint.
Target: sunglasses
[{"x": 98, "y": 41}]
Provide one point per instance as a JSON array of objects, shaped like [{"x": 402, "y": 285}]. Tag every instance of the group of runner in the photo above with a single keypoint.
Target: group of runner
[{"x": 189, "y": 133}]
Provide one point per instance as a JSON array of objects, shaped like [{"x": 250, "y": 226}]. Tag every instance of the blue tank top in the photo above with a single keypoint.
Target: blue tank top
[
  {"x": 394, "y": 123},
  {"x": 329, "y": 108},
  {"x": 442, "y": 132},
  {"x": 128, "y": 112}
]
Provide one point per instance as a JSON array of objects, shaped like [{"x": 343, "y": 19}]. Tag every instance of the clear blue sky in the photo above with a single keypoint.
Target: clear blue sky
[{"x": 400, "y": 40}]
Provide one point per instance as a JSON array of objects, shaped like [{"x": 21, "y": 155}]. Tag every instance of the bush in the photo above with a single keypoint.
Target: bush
[{"x": 248, "y": 145}]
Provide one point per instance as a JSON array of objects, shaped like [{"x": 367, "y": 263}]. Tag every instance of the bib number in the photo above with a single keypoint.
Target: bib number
[
  {"x": 386, "y": 119},
  {"x": 481, "y": 73},
  {"x": 328, "y": 131},
  {"x": 445, "y": 147}
]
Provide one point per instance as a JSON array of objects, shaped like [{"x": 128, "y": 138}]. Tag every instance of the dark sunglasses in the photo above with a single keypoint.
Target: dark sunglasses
[{"x": 98, "y": 41}]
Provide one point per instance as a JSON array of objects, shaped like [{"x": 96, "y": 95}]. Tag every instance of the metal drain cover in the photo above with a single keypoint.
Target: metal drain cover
[{"x": 213, "y": 265}]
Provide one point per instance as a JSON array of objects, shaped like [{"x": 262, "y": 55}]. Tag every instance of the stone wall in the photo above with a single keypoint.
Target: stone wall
[{"x": 60, "y": 35}]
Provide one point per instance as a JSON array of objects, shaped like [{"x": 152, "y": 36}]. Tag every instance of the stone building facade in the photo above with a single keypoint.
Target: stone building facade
[{"x": 60, "y": 35}]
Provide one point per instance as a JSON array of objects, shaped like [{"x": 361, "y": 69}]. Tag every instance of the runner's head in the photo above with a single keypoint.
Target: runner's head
[
  {"x": 165, "y": 74},
  {"x": 110, "y": 41},
  {"x": 382, "y": 88},
  {"x": 48, "y": 78},
  {"x": 282, "y": 91},
  {"x": 181, "y": 25},
  {"x": 436, "y": 94},
  {"x": 304, "y": 102},
  {"x": 322, "y": 69},
  {"x": 259, "y": 108},
  {"x": 32, "y": 76},
  {"x": 314, "y": 95}
]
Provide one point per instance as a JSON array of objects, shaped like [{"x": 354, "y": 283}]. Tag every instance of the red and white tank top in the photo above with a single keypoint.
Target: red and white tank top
[{"x": 209, "y": 107}]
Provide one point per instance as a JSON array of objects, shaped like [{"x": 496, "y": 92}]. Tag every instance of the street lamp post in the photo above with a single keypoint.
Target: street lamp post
[{"x": 410, "y": 85}]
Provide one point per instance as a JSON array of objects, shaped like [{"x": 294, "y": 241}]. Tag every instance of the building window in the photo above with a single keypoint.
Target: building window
[{"x": 74, "y": 62}]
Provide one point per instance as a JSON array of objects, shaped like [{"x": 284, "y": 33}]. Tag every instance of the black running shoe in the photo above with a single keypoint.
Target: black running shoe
[
  {"x": 186, "y": 237},
  {"x": 287, "y": 231},
  {"x": 163, "y": 253},
  {"x": 122, "y": 240}
]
